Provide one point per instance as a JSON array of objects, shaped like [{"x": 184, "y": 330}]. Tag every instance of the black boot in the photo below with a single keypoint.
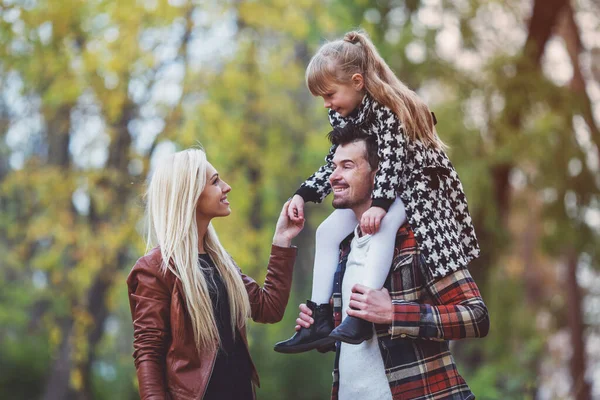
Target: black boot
[
  {"x": 353, "y": 330},
  {"x": 314, "y": 337}
]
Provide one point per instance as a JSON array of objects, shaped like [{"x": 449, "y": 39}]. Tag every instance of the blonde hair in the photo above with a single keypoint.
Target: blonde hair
[
  {"x": 172, "y": 198},
  {"x": 337, "y": 61}
]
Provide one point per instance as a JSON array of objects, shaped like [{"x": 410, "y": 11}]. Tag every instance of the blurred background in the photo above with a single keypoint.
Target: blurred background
[{"x": 94, "y": 92}]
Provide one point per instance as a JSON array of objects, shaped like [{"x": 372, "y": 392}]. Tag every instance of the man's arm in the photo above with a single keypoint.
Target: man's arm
[{"x": 458, "y": 313}]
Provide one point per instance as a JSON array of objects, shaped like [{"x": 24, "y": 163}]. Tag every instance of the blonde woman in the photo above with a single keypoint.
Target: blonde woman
[{"x": 189, "y": 301}]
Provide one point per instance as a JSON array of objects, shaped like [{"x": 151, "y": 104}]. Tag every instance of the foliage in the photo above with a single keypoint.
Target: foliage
[{"x": 95, "y": 92}]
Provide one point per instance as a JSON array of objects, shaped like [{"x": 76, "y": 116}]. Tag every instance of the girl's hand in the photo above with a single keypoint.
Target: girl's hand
[
  {"x": 296, "y": 209},
  {"x": 371, "y": 220},
  {"x": 286, "y": 229}
]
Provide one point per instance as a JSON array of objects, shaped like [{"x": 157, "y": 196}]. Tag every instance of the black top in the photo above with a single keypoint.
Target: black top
[{"x": 232, "y": 373}]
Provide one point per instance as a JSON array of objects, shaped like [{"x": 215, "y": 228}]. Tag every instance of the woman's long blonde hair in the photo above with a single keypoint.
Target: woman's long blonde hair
[
  {"x": 172, "y": 198},
  {"x": 337, "y": 61}
]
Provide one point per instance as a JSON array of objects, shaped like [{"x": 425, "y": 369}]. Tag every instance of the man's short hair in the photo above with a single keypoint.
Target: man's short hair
[{"x": 350, "y": 133}]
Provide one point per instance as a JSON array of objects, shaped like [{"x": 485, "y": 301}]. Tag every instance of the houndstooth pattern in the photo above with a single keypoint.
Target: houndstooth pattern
[{"x": 424, "y": 178}]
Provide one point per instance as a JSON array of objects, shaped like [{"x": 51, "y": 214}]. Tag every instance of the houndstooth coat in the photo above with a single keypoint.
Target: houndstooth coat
[{"x": 423, "y": 177}]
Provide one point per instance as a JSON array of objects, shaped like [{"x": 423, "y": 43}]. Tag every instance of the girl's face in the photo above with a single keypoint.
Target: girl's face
[
  {"x": 213, "y": 200},
  {"x": 343, "y": 98}
]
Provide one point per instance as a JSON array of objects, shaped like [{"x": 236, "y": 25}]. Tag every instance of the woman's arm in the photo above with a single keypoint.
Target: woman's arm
[
  {"x": 268, "y": 303},
  {"x": 149, "y": 300}
]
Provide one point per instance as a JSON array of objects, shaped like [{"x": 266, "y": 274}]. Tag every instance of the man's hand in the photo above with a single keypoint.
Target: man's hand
[
  {"x": 296, "y": 209},
  {"x": 304, "y": 319},
  {"x": 286, "y": 229},
  {"x": 371, "y": 305},
  {"x": 371, "y": 220}
]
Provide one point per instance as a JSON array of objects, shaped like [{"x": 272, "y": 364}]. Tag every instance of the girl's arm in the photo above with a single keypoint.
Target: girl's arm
[
  {"x": 149, "y": 300},
  {"x": 391, "y": 149},
  {"x": 317, "y": 186}
]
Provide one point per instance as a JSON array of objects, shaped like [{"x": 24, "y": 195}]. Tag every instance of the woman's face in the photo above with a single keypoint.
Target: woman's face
[{"x": 213, "y": 200}]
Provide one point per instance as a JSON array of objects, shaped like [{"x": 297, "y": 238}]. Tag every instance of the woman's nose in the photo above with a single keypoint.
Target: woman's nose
[{"x": 226, "y": 187}]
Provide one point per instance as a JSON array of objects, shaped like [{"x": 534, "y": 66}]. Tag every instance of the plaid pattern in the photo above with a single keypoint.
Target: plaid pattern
[{"x": 428, "y": 312}]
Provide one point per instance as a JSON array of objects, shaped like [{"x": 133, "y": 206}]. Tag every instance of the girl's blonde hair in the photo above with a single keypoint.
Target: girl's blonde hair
[
  {"x": 172, "y": 198},
  {"x": 338, "y": 61}
]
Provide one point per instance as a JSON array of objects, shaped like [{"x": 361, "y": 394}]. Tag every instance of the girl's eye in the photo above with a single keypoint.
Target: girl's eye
[{"x": 216, "y": 181}]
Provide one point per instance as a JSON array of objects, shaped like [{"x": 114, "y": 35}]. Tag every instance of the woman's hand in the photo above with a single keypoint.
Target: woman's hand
[
  {"x": 286, "y": 229},
  {"x": 296, "y": 209},
  {"x": 371, "y": 220}
]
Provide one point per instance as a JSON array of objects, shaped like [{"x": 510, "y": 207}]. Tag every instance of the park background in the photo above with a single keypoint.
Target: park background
[{"x": 94, "y": 92}]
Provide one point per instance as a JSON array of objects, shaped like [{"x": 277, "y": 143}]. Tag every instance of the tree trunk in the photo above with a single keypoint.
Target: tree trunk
[
  {"x": 58, "y": 138},
  {"x": 581, "y": 388},
  {"x": 57, "y": 386}
]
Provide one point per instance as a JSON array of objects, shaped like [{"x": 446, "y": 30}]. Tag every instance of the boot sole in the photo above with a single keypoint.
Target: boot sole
[
  {"x": 305, "y": 347},
  {"x": 348, "y": 340}
]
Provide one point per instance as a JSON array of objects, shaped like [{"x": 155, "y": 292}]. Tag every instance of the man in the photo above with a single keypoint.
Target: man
[{"x": 414, "y": 315}]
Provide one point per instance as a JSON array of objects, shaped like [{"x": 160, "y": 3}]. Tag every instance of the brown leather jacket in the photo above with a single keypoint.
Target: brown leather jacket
[{"x": 167, "y": 362}]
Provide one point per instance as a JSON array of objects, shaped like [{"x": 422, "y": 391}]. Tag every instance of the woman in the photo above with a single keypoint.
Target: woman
[{"x": 189, "y": 301}]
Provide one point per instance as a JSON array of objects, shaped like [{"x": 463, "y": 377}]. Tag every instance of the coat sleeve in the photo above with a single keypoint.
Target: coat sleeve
[
  {"x": 458, "y": 311},
  {"x": 268, "y": 302},
  {"x": 317, "y": 186},
  {"x": 149, "y": 300},
  {"x": 391, "y": 149}
]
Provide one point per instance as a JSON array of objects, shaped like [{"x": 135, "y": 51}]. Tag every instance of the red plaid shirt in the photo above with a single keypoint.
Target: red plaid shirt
[{"x": 428, "y": 312}]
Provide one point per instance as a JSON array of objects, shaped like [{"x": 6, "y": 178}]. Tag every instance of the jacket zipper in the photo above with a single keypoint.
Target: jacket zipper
[
  {"x": 251, "y": 363},
  {"x": 212, "y": 368}
]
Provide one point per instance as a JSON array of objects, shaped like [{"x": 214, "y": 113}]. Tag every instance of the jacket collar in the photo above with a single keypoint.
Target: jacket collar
[{"x": 360, "y": 113}]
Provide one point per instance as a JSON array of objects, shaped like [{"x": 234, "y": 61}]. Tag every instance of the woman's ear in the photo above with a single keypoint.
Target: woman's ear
[{"x": 358, "y": 81}]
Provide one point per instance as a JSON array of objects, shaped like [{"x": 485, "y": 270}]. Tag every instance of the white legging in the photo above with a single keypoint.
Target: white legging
[{"x": 334, "y": 229}]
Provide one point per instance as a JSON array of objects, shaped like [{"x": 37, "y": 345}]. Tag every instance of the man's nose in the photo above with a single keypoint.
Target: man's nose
[{"x": 334, "y": 176}]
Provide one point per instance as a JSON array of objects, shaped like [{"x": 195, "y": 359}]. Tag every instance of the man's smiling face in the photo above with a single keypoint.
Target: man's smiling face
[{"x": 352, "y": 177}]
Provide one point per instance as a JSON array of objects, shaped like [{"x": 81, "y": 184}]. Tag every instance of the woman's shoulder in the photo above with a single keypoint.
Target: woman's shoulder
[
  {"x": 150, "y": 265},
  {"x": 150, "y": 261}
]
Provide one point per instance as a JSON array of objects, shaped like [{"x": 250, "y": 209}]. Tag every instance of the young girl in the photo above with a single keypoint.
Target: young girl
[{"x": 415, "y": 181}]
